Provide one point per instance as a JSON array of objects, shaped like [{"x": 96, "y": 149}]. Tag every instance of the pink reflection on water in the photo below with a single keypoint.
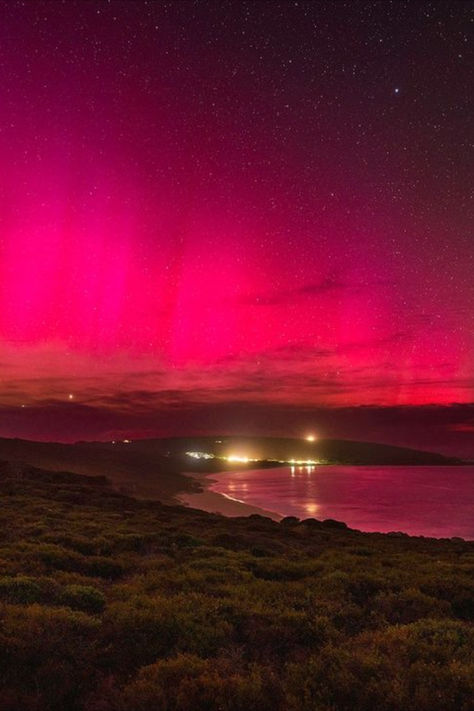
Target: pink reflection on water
[{"x": 426, "y": 501}]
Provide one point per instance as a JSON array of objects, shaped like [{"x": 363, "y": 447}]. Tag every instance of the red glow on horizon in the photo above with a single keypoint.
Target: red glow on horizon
[{"x": 174, "y": 231}]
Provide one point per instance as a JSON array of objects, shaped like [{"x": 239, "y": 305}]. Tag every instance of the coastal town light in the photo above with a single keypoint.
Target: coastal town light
[
  {"x": 238, "y": 458},
  {"x": 200, "y": 455},
  {"x": 244, "y": 459}
]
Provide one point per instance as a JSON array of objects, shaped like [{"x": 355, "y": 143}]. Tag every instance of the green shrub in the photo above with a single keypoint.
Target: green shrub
[
  {"x": 409, "y": 605},
  {"x": 83, "y": 597},
  {"x": 188, "y": 683},
  {"x": 47, "y": 653},
  {"x": 20, "y": 590},
  {"x": 101, "y": 567},
  {"x": 426, "y": 666},
  {"x": 137, "y": 634},
  {"x": 462, "y": 605},
  {"x": 57, "y": 557}
]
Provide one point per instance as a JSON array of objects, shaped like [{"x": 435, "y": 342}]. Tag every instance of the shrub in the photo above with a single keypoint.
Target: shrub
[
  {"x": 462, "y": 605},
  {"x": 47, "y": 653},
  {"x": 409, "y": 605},
  {"x": 83, "y": 597},
  {"x": 101, "y": 567},
  {"x": 137, "y": 635},
  {"x": 426, "y": 666},
  {"x": 281, "y": 569},
  {"x": 188, "y": 683},
  {"x": 24, "y": 590},
  {"x": 20, "y": 590},
  {"x": 57, "y": 557}
]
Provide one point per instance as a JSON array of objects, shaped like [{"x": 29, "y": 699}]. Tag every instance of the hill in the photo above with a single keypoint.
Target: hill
[
  {"x": 153, "y": 468},
  {"x": 332, "y": 451},
  {"x": 108, "y": 603},
  {"x": 130, "y": 469}
]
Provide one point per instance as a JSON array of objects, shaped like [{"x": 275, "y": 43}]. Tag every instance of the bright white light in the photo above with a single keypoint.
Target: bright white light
[
  {"x": 71, "y": 396},
  {"x": 200, "y": 455},
  {"x": 310, "y": 438},
  {"x": 238, "y": 458}
]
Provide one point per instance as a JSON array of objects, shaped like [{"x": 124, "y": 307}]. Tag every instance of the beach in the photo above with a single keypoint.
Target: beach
[{"x": 210, "y": 501}]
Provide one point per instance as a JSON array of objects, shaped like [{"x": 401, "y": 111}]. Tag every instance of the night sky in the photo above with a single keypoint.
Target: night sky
[{"x": 218, "y": 215}]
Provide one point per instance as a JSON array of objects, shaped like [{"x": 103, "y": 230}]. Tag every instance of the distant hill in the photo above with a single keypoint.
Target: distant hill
[
  {"x": 333, "y": 451},
  {"x": 153, "y": 468},
  {"x": 131, "y": 470}
]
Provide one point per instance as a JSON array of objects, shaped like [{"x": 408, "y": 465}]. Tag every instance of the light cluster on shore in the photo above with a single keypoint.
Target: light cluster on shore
[{"x": 243, "y": 459}]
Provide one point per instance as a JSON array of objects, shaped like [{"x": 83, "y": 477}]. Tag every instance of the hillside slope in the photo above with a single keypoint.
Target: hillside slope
[{"x": 112, "y": 604}]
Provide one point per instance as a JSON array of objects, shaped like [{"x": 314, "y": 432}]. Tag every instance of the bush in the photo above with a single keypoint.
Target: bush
[
  {"x": 83, "y": 597},
  {"x": 409, "y": 605},
  {"x": 100, "y": 567},
  {"x": 136, "y": 635},
  {"x": 188, "y": 683},
  {"x": 57, "y": 557},
  {"x": 426, "y": 666},
  {"x": 47, "y": 654},
  {"x": 20, "y": 590},
  {"x": 462, "y": 605}
]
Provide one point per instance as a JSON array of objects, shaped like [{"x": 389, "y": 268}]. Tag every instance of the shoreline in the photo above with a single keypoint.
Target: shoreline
[
  {"x": 222, "y": 504},
  {"x": 212, "y": 502}
]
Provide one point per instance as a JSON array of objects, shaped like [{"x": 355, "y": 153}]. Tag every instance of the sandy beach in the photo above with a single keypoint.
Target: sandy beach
[{"x": 212, "y": 502}]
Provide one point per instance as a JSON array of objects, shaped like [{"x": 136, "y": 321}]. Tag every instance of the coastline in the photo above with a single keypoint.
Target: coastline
[
  {"x": 212, "y": 502},
  {"x": 226, "y": 505}
]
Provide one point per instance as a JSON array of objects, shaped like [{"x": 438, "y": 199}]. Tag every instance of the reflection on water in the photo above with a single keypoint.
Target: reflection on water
[
  {"x": 308, "y": 468},
  {"x": 429, "y": 501}
]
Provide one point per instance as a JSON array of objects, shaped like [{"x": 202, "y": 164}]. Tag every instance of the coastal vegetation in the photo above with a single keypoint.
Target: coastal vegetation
[{"x": 110, "y": 603}]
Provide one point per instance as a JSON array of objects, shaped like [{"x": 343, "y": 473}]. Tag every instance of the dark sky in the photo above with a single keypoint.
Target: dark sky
[{"x": 246, "y": 207}]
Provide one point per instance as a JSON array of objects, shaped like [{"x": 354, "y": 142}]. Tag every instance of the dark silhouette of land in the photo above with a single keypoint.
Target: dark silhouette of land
[{"x": 153, "y": 468}]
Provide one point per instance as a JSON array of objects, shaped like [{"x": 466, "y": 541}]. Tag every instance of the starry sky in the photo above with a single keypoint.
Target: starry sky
[{"x": 243, "y": 208}]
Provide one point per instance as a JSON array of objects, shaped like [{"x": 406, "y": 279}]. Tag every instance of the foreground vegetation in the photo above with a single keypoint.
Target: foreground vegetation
[{"x": 112, "y": 604}]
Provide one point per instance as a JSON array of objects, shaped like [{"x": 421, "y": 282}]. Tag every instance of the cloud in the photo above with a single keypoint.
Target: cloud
[
  {"x": 438, "y": 428},
  {"x": 328, "y": 285}
]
